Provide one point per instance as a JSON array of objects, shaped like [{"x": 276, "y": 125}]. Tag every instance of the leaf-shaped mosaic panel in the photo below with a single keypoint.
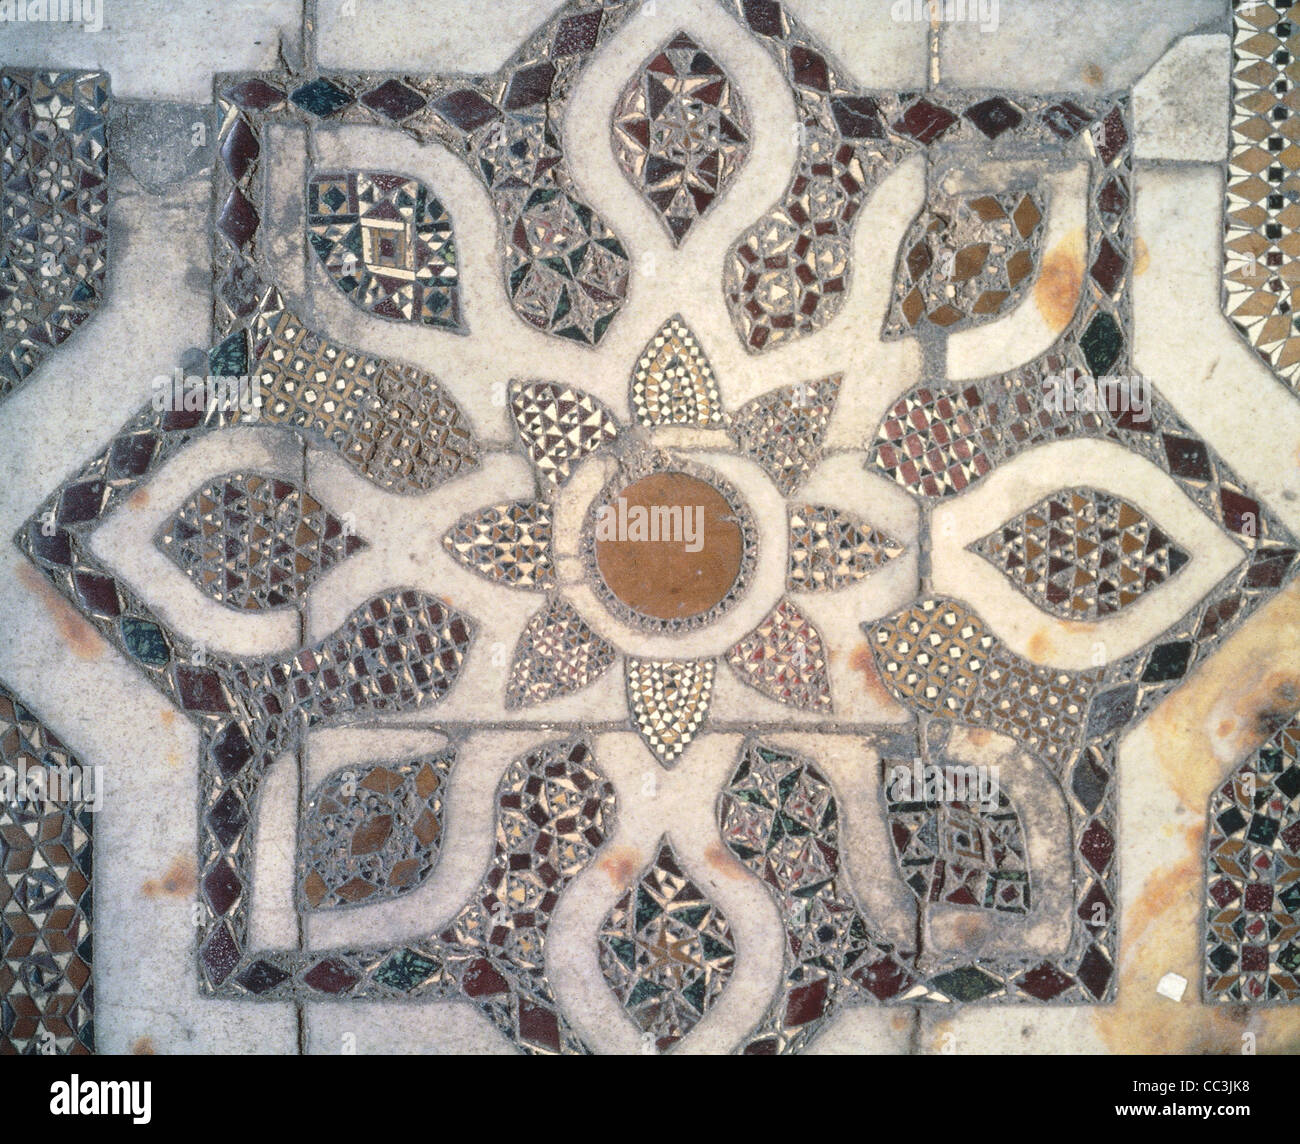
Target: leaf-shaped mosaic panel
[
  {"x": 666, "y": 951},
  {"x": 966, "y": 260},
  {"x": 681, "y": 133},
  {"x": 830, "y": 549},
  {"x": 387, "y": 242},
  {"x": 673, "y": 383},
  {"x": 255, "y": 542},
  {"x": 1082, "y": 554},
  {"x": 370, "y": 833},
  {"x": 507, "y": 543}
]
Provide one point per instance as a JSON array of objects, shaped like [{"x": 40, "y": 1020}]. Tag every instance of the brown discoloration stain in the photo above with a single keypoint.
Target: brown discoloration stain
[
  {"x": 138, "y": 499},
  {"x": 621, "y": 865},
  {"x": 1056, "y": 293},
  {"x": 167, "y": 717},
  {"x": 1093, "y": 76},
  {"x": 1220, "y": 715},
  {"x": 961, "y": 932},
  {"x": 978, "y": 736},
  {"x": 82, "y": 639},
  {"x": 1198, "y": 736},
  {"x": 724, "y": 862},
  {"x": 180, "y": 880},
  {"x": 1040, "y": 646},
  {"x": 938, "y": 1034},
  {"x": 1141, "y": 257},
  {"x": 1161, "y": 935},
  {"x": 862, "y": 661},
  {"x": 899, "y": 1021},
  {"x": 144, "y": 1047}
]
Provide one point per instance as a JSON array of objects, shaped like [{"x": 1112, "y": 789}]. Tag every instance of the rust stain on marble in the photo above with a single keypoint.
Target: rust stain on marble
[
  {"x": 138, "y": 499},
  {"x": 862, "y": 661},
  {"x": 82, "y": 639},
  {"x": 966, "y": 934},
  {"x": 1040, "y": 646},
  {"x": 1141, "y": 257},
  {"x": 180, "y": 880},
  {"x": 939, "y": 1034},
  {"x": 1198, "y": 735},
  {"x": 1161, "y": 935},
  {"x": 1223, "y": 713},
  {"x": 724, "y": 862},
  {"x": 1093, "y": 76},
  {"x": 1056, "y": 293},
  {"x": 143, "y": 1048},
  {"x": 621, "y": 865}
]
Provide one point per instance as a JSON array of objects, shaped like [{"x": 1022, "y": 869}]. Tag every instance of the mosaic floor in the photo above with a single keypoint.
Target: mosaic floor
[{"x": 646, "y": 526}]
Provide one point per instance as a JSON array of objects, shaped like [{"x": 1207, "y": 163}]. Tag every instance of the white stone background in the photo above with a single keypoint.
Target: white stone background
[{"x": 1176, "y": 52}]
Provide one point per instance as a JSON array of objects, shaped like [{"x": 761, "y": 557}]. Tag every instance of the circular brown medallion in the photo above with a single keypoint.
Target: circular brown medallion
[{"x": 669, "y": 546}]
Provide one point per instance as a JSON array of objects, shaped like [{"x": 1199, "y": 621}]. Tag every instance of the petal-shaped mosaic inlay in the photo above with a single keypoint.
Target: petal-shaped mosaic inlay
[
  {"x": 681, "y": 133},
  {"x": 256, "y": 542},
  {"x": 1260, "y": 222},
  {"x": 566, "y": 271},
  {"x": 831, "y": 549},
  {"x": 387, "y": 242},
  {"x": 559, "y": 425},
  {"x": 509, "y": 543},
  {"x": 1252, "y": 934},
  {"x": 1082, "y": 554},
  {"x": 673, "y": 383},
  {"x": 393, "y": 423},
  {"x": 785, "y": 659},
  {"x": 783, "y": 430},
  {"x": 666, "y": 951},
  {"x": 557, "y": 654},
  {"x": 372, "y": 832},
  {"x": 54, "y": 213},
  {"x": 965, "y": 260},
  {"x": 669, "y": 701},
  {"x": 953, "y": 849}
]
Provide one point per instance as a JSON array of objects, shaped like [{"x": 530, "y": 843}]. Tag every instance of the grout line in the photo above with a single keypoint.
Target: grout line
[{"x": 307, "y": 40}]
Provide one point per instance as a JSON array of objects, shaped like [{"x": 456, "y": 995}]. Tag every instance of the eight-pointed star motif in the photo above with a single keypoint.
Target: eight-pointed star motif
[{"x": 644, "y": 561}]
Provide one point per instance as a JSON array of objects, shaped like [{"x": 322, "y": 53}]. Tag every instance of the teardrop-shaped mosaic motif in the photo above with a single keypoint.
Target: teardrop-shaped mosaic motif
[
  {"x": 666, "y": 951},
  {"x": 557, "y": 654},
  {"x": 1082, "y": 554},
  {"x": 254, "y": 542},
  {"x": 669, "y": 702},
  {"x": 509, "y": 543},
  {"x": 966, "y": 260},
  {"x": 785, "y": 659},
  {"x": 387, "y": 242},
  {"x": 372, "y": 832},
  {"x": 673, "y": 383},
  {"x": 681, "y": 133},
  {"x": 831, "y": 549}
]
